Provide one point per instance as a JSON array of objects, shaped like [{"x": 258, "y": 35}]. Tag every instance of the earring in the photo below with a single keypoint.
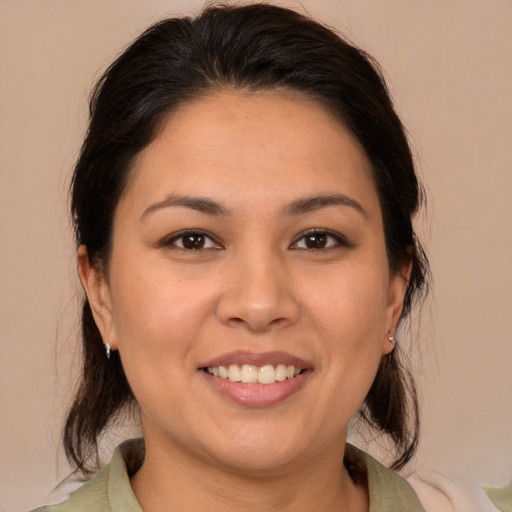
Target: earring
[
  {"x": 107, "y": 349},
  {"x": 392, "y": 340}
]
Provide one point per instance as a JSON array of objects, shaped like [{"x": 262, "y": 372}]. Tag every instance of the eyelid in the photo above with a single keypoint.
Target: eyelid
[
  {"x": 341, "y": 240},
  {"x": 170, "y": 239}
]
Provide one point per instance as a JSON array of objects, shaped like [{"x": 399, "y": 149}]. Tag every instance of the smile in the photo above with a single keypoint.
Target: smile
[
  {"x": 252, "y": 374},
  {"x": 254, "y": 379}
]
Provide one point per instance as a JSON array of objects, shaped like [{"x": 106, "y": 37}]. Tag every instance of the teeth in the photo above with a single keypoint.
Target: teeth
[
  {"x": 250, "y": 374},
  {"x": 267, "y": 374},
  {"x": 234, "y": 373},
  {"x": 280, "y": 372}
]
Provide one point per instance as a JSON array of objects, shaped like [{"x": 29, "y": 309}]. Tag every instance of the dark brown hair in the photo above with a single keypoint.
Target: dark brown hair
[{"x": 253, "y": 47}]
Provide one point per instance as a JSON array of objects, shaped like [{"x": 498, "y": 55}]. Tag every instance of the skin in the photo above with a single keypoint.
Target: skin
[{"x": 256, "y": 285}]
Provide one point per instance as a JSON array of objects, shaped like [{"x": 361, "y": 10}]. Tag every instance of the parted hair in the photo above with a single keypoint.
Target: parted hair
[{"x": 253, "y": 47}]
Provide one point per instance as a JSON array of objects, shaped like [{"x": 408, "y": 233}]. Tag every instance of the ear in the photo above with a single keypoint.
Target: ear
[
  {"x": 98, "y": 294},
  {"x": 397, "y": 287}
]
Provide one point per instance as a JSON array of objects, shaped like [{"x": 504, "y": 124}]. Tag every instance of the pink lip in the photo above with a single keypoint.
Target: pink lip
[
  {"x": 257, "y": 395},
  {"x": 240, "y": 357}
]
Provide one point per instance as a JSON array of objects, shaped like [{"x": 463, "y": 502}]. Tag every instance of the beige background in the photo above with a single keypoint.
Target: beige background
[{"x": 448, "y": 63}]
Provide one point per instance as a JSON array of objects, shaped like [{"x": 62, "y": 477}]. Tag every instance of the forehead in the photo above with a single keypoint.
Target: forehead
[{"x": 244, "y": 147}]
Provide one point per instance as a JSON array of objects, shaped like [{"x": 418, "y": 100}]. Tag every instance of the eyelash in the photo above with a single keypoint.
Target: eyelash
[
  {"x": 323, "y": 236},
  {"x": 339, "y": 240},
  {"x": 207, "y": 237}
]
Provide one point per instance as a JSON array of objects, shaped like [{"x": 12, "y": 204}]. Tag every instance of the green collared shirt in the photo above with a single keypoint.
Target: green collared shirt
[
  {"x": 110, "y": 490},
  {"x": 501, "y": 497}
]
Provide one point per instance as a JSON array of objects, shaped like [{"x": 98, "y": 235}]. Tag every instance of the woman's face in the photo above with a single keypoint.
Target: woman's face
[{"x": 249, "y": 244}]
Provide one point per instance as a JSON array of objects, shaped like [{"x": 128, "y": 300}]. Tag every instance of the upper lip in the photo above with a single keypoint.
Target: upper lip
[{"x": 240, "y": 357}]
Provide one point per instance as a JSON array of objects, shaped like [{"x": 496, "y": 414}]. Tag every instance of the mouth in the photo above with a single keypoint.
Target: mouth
[
  {"x": 252, "y": 374},
  {"x": 256, "y": 380}
]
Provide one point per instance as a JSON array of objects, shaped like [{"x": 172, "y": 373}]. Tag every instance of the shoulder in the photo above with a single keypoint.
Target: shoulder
[
  {"x": 92, "y": 496},
  {"x": 388, "y": 491},
  {"x": 109, "y": 490},
  {"x": 441, "y": 494},
  {"x": 501, "y": 497},
  {"x": 426, "y": 490}
]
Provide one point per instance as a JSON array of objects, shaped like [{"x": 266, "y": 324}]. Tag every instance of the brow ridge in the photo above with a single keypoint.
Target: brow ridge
[
  {"x": 314, "y": 203},
  {"x": 298, "y": 207},
  {"x": 201, "y": 204}
]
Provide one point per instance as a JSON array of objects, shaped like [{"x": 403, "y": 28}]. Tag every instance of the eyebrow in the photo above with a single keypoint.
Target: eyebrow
[
  {"x": 201, "y": 204},
  {"x": 311, "y": 204},
  {"x": 298, "y": 207}
]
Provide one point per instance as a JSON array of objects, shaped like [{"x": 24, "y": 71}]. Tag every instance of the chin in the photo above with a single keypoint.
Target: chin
[
  {"x": 254, "y": 450},
  {"x": 260, "y": 462}
]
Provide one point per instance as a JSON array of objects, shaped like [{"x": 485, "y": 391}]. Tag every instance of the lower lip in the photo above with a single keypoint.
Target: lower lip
[{"x": 257, "y": 395}]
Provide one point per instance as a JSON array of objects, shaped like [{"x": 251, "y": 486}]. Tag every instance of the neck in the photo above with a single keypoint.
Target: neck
[{"x": 173, "y": 480}]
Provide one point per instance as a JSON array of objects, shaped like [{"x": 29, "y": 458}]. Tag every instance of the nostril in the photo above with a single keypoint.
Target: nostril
[
  {"x": 234, "y": 322},
  {"x": 278, "y": 321},
  {"x": 256, "y": 324},
  {"x": 258, "y": 308}
]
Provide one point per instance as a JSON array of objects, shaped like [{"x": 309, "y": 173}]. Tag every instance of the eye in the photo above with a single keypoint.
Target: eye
[
  {"x": 318, "y": 240},
  {"x": 193, "y": 241}
]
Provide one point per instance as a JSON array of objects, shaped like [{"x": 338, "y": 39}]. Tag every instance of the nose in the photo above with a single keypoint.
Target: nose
[{"x": 259, "y": 296}]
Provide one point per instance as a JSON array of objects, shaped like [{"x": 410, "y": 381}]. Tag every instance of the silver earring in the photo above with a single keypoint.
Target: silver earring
[
  {"x": 107, "y": 349},
  {"x": 392, "y": 340}
]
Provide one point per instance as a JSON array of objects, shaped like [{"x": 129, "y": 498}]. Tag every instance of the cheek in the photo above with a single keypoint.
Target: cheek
[
  {"x": 158, "y": 325},
  {"x": 350, "y": 302},
  {"x": 352, "y": 324},
  {"x": 157, "y": 313}
]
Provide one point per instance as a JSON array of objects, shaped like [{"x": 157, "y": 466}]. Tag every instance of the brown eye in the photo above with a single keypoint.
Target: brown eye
[
  {"x": 193, "y": 241},
  {"x": 316, "y": 241},
  {"x": 319, "y": 240}
]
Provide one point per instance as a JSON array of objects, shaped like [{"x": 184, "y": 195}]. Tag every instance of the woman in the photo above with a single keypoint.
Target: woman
[{"x": 242, "y": 206}]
